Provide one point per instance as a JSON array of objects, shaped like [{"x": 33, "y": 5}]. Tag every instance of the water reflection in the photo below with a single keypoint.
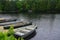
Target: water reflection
[
  {"x": 28, "y": 37},
  {"x": 52, "y": 19},
  {"x": 31, "y": 36}
]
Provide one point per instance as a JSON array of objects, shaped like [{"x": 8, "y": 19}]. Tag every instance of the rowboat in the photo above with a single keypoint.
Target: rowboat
[
  {"x": 17, "y": 24},
  {"x": 25, "y": 31},
  {"x": 7, "y": 20}
]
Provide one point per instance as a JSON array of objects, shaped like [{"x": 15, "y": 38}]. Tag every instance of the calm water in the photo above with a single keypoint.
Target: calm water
[{"x": 48, "y": 25}]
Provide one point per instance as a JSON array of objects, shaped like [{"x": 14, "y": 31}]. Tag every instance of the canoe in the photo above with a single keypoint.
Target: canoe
[
  {"x": 7, "y": 20},
  {"x": 18, "y": 24},
  {"x": 25, "y": 31}
]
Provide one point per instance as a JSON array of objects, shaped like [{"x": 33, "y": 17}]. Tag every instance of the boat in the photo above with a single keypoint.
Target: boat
[
  {"x": 7, "y": 20},
  {"x": 21, "y": 28},
  {"x": 25, "y": 31},
  {"x": 17, "y": 24},
  {"x": 22, "y": 31}
]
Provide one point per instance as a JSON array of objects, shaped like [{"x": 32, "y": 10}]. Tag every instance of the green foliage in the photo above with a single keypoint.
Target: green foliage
[
  {"x": 1, "y": 6},
  {"x": 4, "y": 36},
  {"x": 19, "y": 5},
  {"x": 9, "y": 6},
  {"x": 58, "y": 5},
  {"x": 48, "y": 5},
  {"x": 22, "y": 38},
  {"x": 11, "y": 30},
  {"x": 41, "y": 5},
  {"x": 34, "y": 5}
]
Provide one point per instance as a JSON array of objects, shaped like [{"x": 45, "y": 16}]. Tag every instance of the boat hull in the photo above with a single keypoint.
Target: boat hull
[
  {"x": 27, "y": 34},
  {"x": 18, "y": 24}
]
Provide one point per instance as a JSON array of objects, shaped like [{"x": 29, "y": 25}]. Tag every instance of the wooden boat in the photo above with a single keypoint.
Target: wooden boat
[
  {"x": 7, "y": 19},
  {"x": 18, "y": 24},
  {"x": 14, "y": 22},
  {"x": 25, "y": 31}
]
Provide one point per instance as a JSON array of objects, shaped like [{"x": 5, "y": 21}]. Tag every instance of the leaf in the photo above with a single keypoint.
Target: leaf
[{"x": 22, "y": 38}]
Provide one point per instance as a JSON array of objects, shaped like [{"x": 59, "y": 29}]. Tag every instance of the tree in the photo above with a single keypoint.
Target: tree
[
  {"x": 58, "y": 5},
  {"x": 1, "y": 5}
]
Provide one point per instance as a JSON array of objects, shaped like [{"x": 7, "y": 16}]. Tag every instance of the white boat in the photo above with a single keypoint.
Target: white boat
[{"x": 25, "y": 31}]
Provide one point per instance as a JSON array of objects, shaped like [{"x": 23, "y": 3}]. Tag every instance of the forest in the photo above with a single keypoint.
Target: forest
[{"x": 26, "y": 5}]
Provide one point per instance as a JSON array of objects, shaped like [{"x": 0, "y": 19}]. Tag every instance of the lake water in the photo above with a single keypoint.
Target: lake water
[{"x": 48, "y": 24}]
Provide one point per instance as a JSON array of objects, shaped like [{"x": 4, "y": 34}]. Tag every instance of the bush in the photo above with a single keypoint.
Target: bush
[{"x": 4, "y": 36}]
